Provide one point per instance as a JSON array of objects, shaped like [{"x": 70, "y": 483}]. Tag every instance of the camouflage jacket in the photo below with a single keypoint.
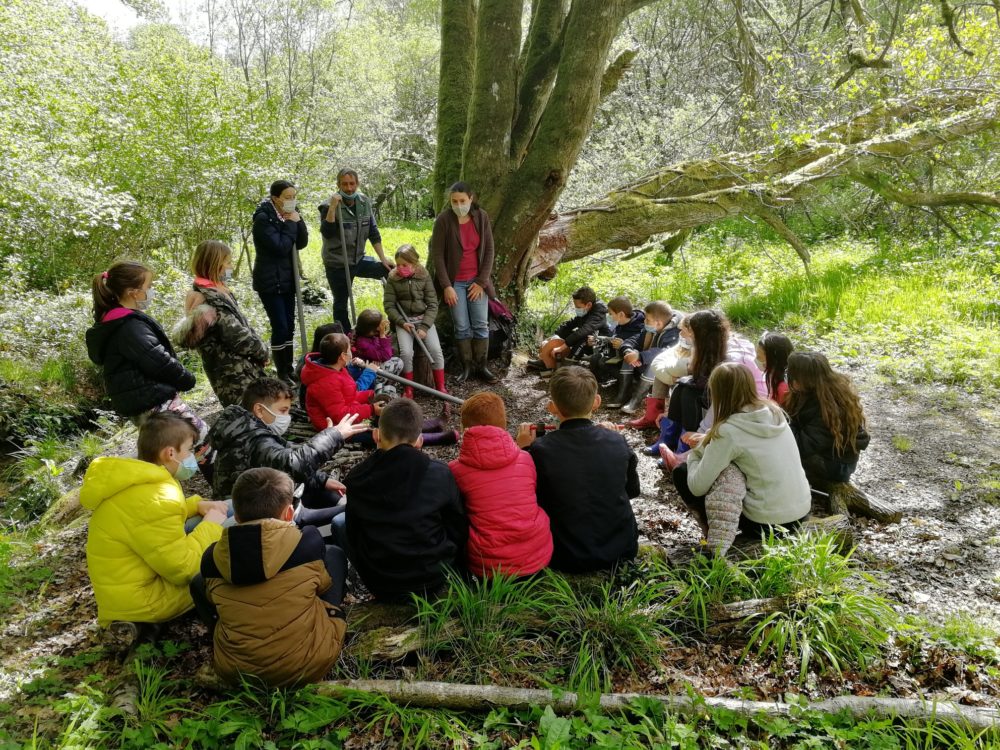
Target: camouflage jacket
[
  {"x": 244, "y": 442},
  {"x": 231, "y": 351}
]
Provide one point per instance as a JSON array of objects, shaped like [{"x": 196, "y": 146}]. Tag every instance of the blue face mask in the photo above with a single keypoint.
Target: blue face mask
[
  {"x": 348, "y": 196},
  {"x": 187, "y": 468},
  {"x": 580, "y": 311},
  {"x": 612, "y": 323},
  {"x": 650, "y": 329}
]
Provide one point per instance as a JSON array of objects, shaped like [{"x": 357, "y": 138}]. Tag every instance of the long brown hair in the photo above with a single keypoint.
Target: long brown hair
[
  {"x": 210, "y": 259},
  {"x": 710, "y": 331},
  {"x": 810, "y": 375},
  {"x": 110, "y": 286},
  {"x": 733, "y": 390}
]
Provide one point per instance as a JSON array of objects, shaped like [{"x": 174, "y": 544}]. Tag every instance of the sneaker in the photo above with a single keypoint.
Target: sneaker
[
  {"x": 546, "y": 373},
  {"x": 535, "y": 364}
]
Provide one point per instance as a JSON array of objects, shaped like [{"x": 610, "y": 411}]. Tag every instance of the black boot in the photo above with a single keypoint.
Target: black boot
[
  {"x": 625, "y": 380},
  {"x": 638, "y": 401},
  {"x": 283, "y": 364},
  {"x": 480, "y": 354},
  {"x": 464, "y": 347}
]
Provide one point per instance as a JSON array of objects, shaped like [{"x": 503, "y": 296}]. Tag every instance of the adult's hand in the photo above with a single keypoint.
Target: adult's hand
[
  {"x": 292, "y": 216},
  {"x": 474, "y": 292},
  {"x": 389, "y": 265},
  {"x": 450, "y": 298},
  {"x": 331, "y": 212}
]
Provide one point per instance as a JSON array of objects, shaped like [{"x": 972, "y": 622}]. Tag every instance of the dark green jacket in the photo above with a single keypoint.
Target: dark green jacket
[
  {"x": 359, "y": 228},
  {"x": 415, "y": 295}
]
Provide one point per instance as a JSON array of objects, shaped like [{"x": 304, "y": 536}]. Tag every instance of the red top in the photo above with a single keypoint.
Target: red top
[
  {"x": 468, "y": 269},
  {"x": 332, "y": 393}
]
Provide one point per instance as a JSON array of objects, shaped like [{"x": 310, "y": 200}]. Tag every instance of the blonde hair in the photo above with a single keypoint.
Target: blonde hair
[
  {"x": 210, "y": 258},
  {"x": 733, "y": 389},
  {"x": 408, "y": 253}
]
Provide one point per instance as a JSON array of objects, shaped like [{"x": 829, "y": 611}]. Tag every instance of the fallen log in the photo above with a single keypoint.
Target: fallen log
[
  {"x": 845, "y": 497},
  {"x": 459, "y": 697}
]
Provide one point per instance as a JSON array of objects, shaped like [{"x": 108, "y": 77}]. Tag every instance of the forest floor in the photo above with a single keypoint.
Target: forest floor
[{"x": 933, "y": 455}]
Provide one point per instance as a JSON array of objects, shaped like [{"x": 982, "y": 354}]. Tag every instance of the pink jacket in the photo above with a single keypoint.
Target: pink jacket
[{"x": 507, "y": 529}]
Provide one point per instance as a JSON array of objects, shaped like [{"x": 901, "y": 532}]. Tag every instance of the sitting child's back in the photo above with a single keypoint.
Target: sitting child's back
[
  {"x": 265, "y": 577},
  {"x": 586, "y": 475},
  {"x": 508, "y": 531},
  {"x": 405, "y": 522}
]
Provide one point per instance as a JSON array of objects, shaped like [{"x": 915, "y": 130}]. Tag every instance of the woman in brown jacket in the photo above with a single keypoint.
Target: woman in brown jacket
[
  {"x": 411, "y": 304},
  {"x": 462, "y": 245}
]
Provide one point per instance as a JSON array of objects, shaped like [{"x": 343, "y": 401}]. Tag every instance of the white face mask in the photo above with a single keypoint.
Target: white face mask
[
  {"x": 227, "y": 275},
  {"x": 288, "y": 206},
  {"x": 142, "y": 304},
  {"x": 281, "y": 422},
  {"x": 461, "y": 209}
]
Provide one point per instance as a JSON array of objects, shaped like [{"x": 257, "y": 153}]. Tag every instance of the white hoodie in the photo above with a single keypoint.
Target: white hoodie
[{"x": 762, "y": 446}]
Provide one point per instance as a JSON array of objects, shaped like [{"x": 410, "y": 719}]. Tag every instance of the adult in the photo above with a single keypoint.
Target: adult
[
  {"x": 351, "y": 209},
  {"x": 462, "y": 245},
  {"x": 278, "y": 231}
]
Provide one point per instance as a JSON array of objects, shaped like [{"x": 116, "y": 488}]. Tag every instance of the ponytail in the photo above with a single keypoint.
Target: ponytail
[{"x": 110, "y": 286}]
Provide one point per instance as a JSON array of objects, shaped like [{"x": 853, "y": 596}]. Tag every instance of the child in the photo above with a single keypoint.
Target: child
[
  {"x": 586, "y": 475},
  {"x": 370, "y": 342},
  {"x": 319, "y": 333},
  {"x": 405, "y": 524},
  {"x": 570, "y": 339},
  {"x": 411, "y": 288},
  {"x": 139, "y": 557},
  {"x": 627, "y": 329},
  {"x": 826, "y": 418},
  {"x": 233, "y": 355},
  {"x": 271, "y": 591},
  {"x": 662, "y": 329},
  {"x": 742, "y": 475},
  {"x": 772, "y": 359},
  {"x": 249, "y": 436},
  {"x": 668, "y": 367},
  {"x": 508, "y": 532}
]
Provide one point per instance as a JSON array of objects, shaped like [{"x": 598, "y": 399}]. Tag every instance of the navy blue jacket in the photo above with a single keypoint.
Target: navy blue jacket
[
  {"x": 631, "y": 333},
  {"x": 274, "y": 241}
]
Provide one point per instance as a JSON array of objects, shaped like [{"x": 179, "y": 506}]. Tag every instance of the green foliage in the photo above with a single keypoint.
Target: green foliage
[{"x": 22, "y": 575}]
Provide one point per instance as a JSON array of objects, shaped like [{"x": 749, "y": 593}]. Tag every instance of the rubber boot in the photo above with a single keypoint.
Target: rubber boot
[
  {"x": 480, "y": 353},
  {"x": 637, "y": 400},
  {"x": 408, "y": 391},
  {"x": 448, "y": 437},
  {"x": 669, "y": 434},
  {"x": 668, "y": 459},
  {"x": 433, "y": 425},
  {"x": 654, "y": 407},
  {"x": 283, "y": 363},
  {"x": 625, "y": 380},
  {"x": 465, "y": 355},
  {"x": 439, "y": 385}
]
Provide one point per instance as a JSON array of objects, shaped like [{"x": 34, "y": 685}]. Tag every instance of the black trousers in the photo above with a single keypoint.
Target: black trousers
[{"x": 686, "y": 406}]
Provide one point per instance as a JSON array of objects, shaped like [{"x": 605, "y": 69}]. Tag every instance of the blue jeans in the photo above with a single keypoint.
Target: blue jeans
[
  {"x": 471, "y": 318},
  {"x": 280, "y": 309},
  {"x": 366, "y": 268}
]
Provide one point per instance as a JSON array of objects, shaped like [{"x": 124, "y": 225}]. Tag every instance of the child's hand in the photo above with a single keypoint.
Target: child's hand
[
  {"x": 207, "y": 506},
  {"x": 408, "y": 327},
  {"x": 525, "y": 435},
  {"x": 358, "y": 362},
  {"x": 616, "y": 343},
  {"x": 632, "y": 358},
  {"x": 215, "y": 516},
  {"x": 334, "y": 486},
  {"x": 421, "y": 334},
  {"x": 609, "y": 426},
  {"x": 348, "y": 427},
  {"x": 373, "y": 366},
  {"x": 692, "y": 438}
]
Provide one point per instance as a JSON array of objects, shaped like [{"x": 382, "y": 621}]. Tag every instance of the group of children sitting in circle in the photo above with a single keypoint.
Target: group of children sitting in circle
[{"x": 265, "y": 563}]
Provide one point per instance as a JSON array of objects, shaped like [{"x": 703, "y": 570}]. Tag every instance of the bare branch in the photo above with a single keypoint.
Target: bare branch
[{"x": 948, "y": 17}]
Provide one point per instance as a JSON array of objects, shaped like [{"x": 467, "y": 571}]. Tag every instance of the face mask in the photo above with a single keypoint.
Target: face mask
[
  {"x": 612, "y": 323},
  {"x": 186, "y": 468},
  {"x": 405, "y": 271},
  {"x": 227, "y": 275},
  {"x": 287, "y": 206},
  {"x": 144, "y": 303},
  {"x": 650, "y": 329},
  {"x": 687, "y": 343},
  {"x": 348, "y": 196},
  {"x": 580, "y": 311},
  {"x": 281, "y": 422},
  {"x": 461, "y": 209}
]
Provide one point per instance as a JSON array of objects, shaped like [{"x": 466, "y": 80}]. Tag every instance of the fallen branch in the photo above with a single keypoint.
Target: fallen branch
[{"x": 458, "y": 697}]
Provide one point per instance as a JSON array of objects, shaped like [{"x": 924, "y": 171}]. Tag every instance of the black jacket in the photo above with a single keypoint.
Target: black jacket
[
  {"x": 405, "y": 522},
  {"x": 274, "y": 241},
  {"x": 814, "y": 437},
  {"x": 576, "y": 330},
  {"x": 586, "y": 475},
  {"x": 139, "y": 365},
  {"x": 632, "y": 332},
  {"x": 244, "y": 442}
]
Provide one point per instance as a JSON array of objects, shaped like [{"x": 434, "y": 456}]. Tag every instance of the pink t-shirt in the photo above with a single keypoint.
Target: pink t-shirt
[{"x": 468, "y": 269}]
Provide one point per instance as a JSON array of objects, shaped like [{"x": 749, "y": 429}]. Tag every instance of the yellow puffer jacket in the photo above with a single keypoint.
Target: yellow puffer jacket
[
  {"x": 265, "y": 578},
  {"x": 139, "y": 558}
]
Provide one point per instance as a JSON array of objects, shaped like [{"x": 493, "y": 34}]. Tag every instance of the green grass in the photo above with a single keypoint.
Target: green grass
[{"x": 902, "y": 443}]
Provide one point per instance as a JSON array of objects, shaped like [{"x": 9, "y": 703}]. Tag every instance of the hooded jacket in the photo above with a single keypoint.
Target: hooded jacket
[
  {"x": 139, "y": 558},
  {"x": 762, "y": 446},
  {"x": 405, "y": 522},
  {"x": 332, "y": 394},
  {"x": 649, "y": 345},
  {"x": 242, "y": 442},
  {"x": 231, "y": 351},
  {"x": 415, "y": 295},
  {"x": 631, "y": 333},
  {"x": 814, "y": 438},
  {"x": 139, "y": 366},
  {"x": 264, "y": 578},
  {"x": 586, "y": 476},
  {"x": 507, "y": 529},
  {"x": 576, "y": 330},
  {"x": 274, "y": 241}
]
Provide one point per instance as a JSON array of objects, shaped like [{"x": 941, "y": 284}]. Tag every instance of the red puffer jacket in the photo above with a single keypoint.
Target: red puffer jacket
[
  {"x": 332, "y": 393},
  {"x": 507, "y": 529}
]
